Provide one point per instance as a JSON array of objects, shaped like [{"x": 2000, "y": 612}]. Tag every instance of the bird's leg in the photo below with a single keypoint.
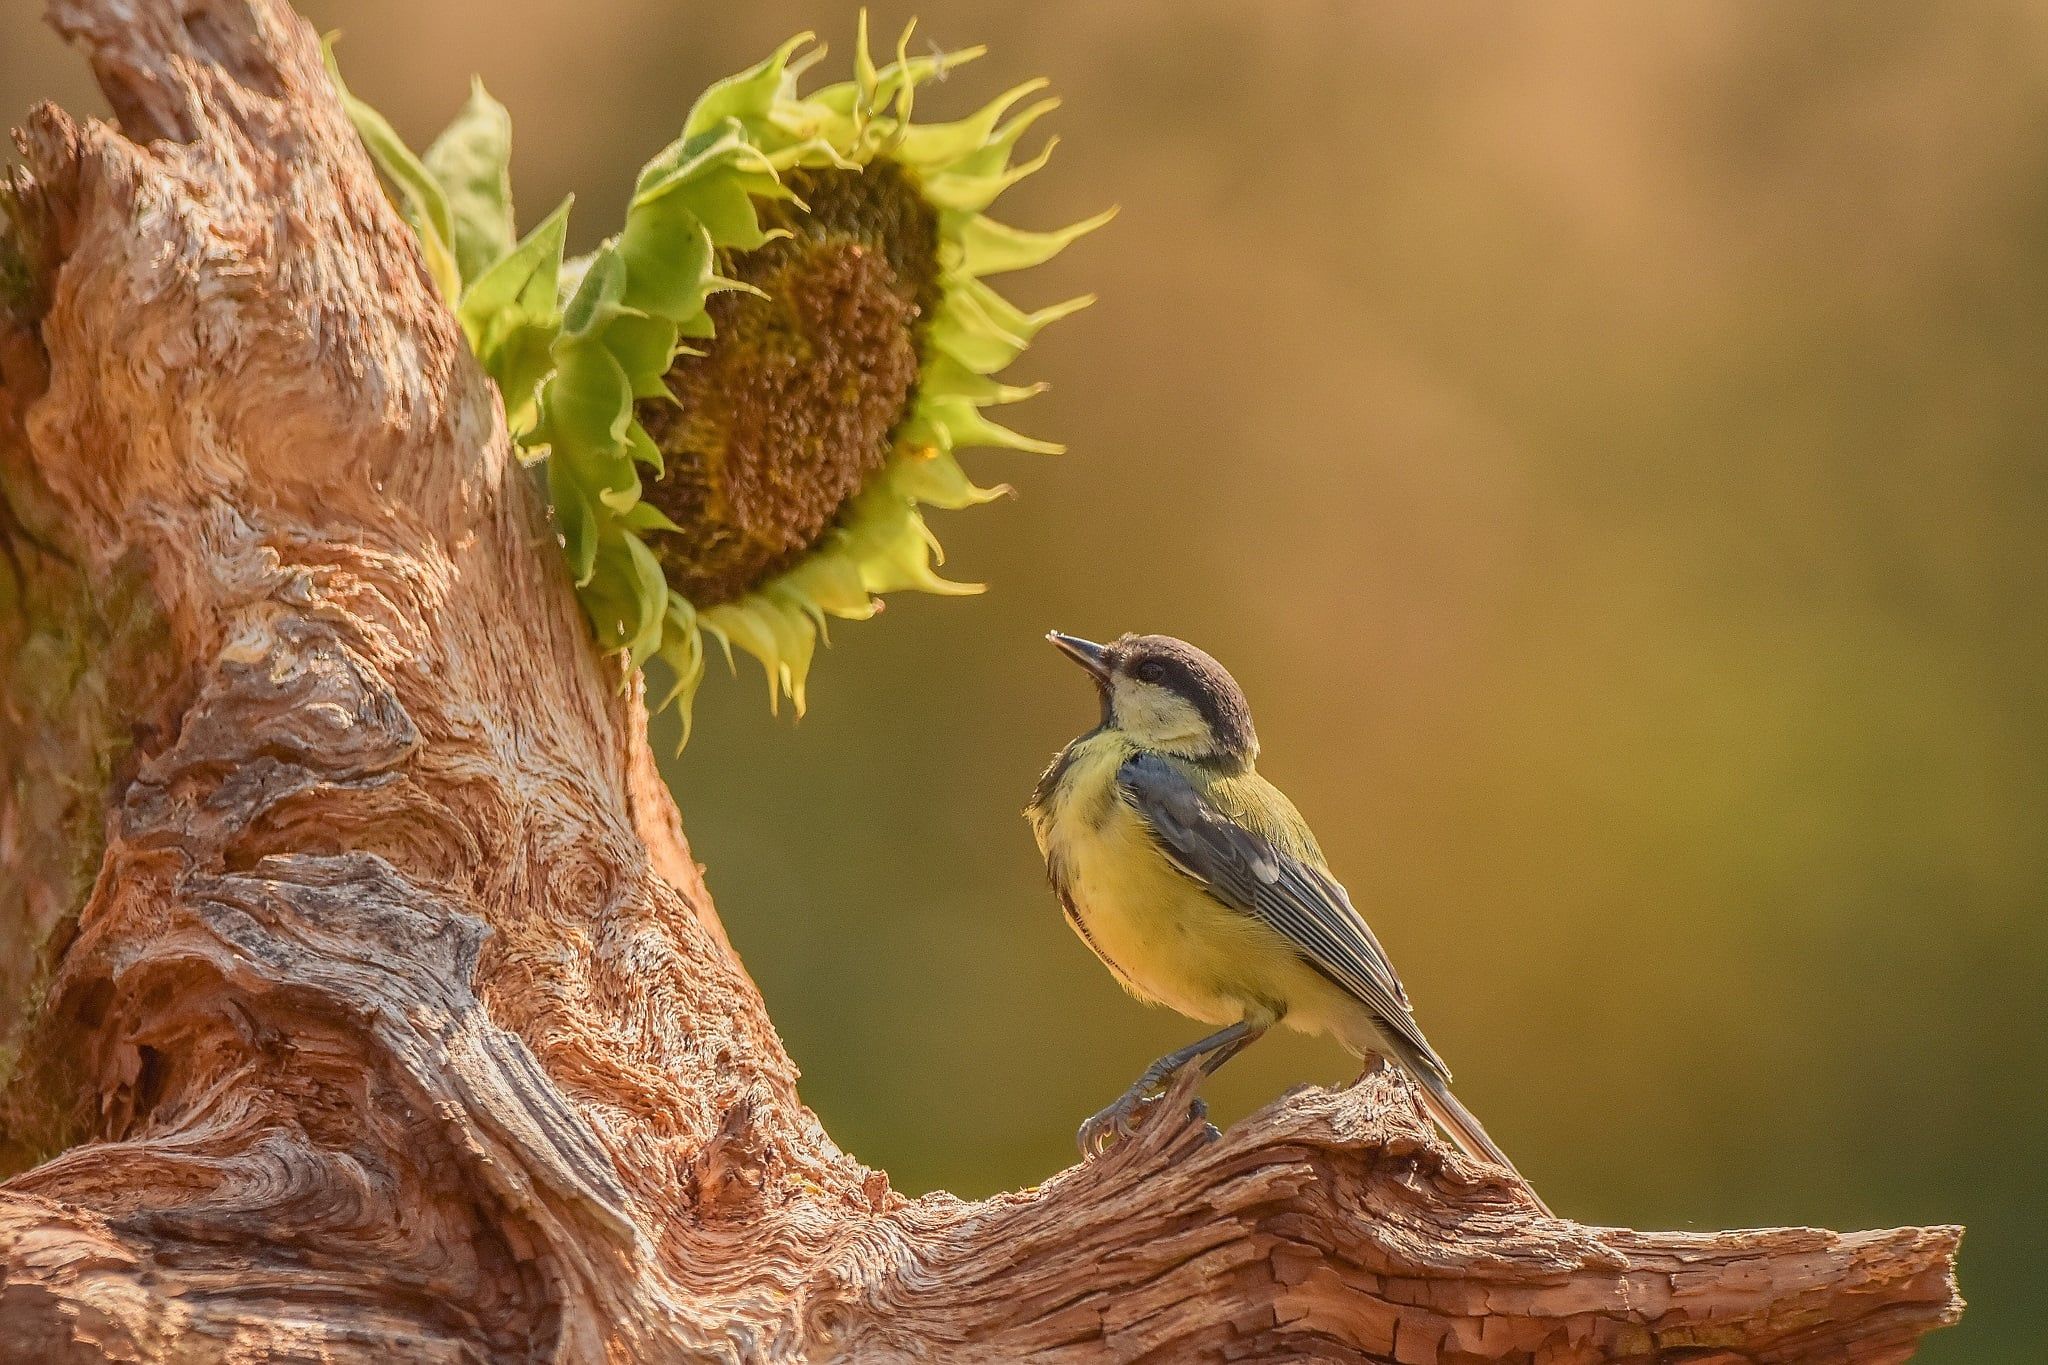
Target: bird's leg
[
  {"x": 1121, "y": 1119},
  {"x": 1213, "y": 1063}
]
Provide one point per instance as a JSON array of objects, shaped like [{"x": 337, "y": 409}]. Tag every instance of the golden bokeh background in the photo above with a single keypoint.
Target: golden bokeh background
[{"x": 1607, "y": 442}]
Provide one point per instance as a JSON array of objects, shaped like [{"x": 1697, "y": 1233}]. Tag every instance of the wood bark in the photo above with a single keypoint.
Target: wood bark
[{"x": 363, "y": 1001}]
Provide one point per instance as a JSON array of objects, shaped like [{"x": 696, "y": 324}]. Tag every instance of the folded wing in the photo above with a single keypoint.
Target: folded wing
[{"x": 1305, "y": 905}]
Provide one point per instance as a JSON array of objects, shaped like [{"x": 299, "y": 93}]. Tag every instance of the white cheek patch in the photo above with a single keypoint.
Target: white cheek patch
[{"x": 1158, "y": 718}]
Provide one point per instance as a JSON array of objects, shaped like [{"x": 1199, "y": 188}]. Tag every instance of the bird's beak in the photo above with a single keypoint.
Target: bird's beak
[{"x": 1089, "y": 655}]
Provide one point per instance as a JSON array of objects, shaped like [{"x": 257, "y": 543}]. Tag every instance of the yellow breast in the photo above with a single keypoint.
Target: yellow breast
[{"x": 1163, "y": 936}]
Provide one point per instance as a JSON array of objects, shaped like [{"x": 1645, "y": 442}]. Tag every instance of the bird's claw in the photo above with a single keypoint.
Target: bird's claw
[
  {"x": 1115, "y": 1123},
  {"x": 1132, "y": 1111}
]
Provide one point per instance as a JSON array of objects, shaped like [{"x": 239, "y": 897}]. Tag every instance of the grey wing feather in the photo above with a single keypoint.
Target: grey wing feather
[{"x": 1302, "y": 903}]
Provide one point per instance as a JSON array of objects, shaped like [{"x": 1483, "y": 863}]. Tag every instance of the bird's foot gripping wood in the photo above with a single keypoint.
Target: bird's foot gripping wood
[
  {"x": 1135, "y": 1108},
  {"x": 1131, "y": 1112},
  {"x": 1180, "y": 1070},
  {"x": 1150, "y": 1095}
]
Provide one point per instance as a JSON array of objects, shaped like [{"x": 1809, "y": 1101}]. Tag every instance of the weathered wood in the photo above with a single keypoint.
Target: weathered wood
[{"x": 371, "y": 1005}]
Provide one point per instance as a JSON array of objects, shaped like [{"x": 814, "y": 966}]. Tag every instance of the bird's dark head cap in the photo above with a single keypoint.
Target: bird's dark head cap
[{"x": 1179, "y": 668}]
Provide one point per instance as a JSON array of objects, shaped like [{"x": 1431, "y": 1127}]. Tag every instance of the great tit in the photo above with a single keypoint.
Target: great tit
[{"x": 1201, "y": 888}]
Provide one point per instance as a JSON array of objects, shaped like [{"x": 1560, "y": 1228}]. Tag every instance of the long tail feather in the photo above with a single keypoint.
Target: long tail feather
[{"x": 1462, "y": 1128}]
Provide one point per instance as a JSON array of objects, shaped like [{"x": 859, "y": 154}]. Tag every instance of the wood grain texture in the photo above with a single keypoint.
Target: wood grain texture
[{"x": 367, "y": 1002}]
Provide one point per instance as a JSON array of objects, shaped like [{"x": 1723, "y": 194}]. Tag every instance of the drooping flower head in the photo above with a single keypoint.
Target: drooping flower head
[{"x": 752, "y": 390}]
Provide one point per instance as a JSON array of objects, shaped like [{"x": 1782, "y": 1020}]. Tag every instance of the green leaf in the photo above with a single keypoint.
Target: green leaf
[
  {"x": 626, "y": 596},
  {"x": 596, "y": 300},
  {"x": 749, "y": 95},
  {"x": 511, "y": 316},
  {"x": 939, "y": 480},
  {"x": 574, "y": 521},
  {"x": 644, "y": 346},
  {"x": 650, "y": 595},
  {"x": 645, "y": 516},
  {"x": 991, "y": 248},
  {"x": 589, "y": 404},
  {"x": 525, "y": 277},
  {"x": 418, "y": 195},
  {"x": 934, "y": 146},
  {"x": 668, "y": 255},
  {"x": 520, "y": 362},
  {"x": 471, "y": 161}
]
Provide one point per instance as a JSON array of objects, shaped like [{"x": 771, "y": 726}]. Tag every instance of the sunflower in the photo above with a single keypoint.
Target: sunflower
[
  {"x": 764, "y": 377},
  {"x": 742, "y": 401}
]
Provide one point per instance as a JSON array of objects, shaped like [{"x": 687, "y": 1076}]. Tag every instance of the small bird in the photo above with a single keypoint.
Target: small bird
[{"x": 1201, "y": 888}]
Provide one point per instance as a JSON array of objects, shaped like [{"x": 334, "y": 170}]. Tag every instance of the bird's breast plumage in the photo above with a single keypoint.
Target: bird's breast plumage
[{"x": 1163, "y": 936}]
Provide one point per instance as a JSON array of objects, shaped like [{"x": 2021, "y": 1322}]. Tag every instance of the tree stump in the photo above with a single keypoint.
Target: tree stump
[{"x": 362, "y": 1000}]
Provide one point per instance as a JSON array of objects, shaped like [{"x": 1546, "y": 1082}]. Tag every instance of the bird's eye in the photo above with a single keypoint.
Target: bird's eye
[{"x": 1151, "y": 671}]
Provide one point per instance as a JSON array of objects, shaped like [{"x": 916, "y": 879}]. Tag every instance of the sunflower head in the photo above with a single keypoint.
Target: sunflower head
[
  {"x": 834, "y": 342},
  {"x": 794, "y": 404},
  {"x": 748, "y": 395}
]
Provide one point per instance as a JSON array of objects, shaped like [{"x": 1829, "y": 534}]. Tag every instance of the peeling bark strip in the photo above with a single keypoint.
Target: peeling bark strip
[{"x": 395, "y": 1023}]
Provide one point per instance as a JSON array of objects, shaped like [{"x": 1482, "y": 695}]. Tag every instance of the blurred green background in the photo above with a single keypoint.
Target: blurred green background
[{"x": 1606, "y": 441}]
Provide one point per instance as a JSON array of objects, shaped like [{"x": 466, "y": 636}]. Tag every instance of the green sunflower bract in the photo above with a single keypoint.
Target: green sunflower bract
[{"x": 752, "y": 390}]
